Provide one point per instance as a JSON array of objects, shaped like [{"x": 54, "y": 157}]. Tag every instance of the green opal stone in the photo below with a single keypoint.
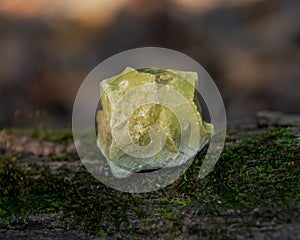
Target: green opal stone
[{"x": 150, "y": 119}]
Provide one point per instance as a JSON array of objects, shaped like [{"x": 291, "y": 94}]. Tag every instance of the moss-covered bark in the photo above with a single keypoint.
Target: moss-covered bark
[{"x": 254, "y": 186}]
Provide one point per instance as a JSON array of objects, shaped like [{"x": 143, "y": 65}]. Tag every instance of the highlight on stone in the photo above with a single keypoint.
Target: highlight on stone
[{"x": 150, "y": 119}]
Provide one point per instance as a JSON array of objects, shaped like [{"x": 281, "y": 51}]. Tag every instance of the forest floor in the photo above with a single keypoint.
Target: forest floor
[{"x": 252, "y": 193}]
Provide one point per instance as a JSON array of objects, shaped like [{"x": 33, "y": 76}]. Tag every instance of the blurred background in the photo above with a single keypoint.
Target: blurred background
[{"x": 251, "y": 48}]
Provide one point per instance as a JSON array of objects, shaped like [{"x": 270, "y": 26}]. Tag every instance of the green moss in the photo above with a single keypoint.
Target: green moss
[
  {"x": 60, "y": 157},
  {"x": 59, "y": 135},
  {"x": 24, "y": 193},
  {"x": 258, "y": 173}
]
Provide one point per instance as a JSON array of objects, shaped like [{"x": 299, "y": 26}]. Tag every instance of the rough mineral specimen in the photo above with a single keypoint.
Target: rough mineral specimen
[{"x": 150, "y": 119}]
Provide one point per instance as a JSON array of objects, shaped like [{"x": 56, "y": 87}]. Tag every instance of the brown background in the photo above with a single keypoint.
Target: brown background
[{"x": 250, "y": 48}]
